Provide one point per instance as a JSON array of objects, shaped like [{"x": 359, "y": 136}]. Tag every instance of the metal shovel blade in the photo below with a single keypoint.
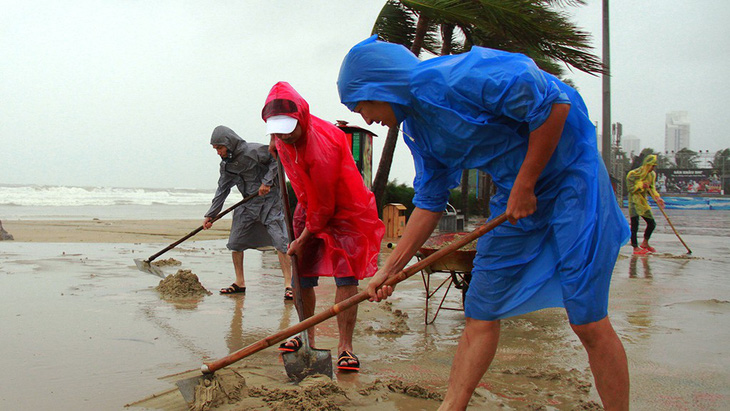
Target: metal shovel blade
[
  {"x": 307, "y": 361},
  {"x": 145, "y": 266},
  {"x": 187, "y": 386}
]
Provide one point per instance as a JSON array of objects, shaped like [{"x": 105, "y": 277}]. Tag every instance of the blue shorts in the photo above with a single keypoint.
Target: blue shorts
[{"x": 311, "y": 282}]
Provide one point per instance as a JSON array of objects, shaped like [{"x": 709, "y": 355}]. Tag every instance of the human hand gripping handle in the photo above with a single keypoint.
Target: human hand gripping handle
[
  {"x": 420, "y": 226},
  {"x": 264, "y": 189},
  {"x": 207, "y": 223},
  {"x": 296, "y": 246},
  {"x": 376, "y": 289},
  {"x": 521, "y": 203}
]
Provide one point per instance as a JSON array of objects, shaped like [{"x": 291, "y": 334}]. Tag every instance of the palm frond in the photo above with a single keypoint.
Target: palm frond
[
  {"x": 396, "y": 24},
  {"x": 516, "y": 25}
]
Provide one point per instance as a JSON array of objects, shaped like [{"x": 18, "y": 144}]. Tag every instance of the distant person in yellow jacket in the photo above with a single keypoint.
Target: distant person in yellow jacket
[{"x": 640, "y": 182}]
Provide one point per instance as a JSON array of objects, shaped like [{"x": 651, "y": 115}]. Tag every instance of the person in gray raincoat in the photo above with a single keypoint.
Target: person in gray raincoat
[{"x": 258, "y": 222}]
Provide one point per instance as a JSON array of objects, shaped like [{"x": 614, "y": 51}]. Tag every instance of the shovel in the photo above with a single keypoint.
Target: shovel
[
  {"x": 187, "y": 386},
  {"x": 146, "y": 265},
  {"x": 306, "y": 360},
  {"x": 670, "y": 223}
]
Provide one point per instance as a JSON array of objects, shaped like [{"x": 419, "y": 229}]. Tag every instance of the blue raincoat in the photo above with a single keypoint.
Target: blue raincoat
[{"x": 476, "y": 111}]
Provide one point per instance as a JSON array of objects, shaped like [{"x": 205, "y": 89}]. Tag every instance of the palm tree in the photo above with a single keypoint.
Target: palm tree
[
  {"x": 441, "y": 27},
  {"x": 686, "y": 158},
  {"x": 721, "y": 164},
  {"x": 721, "y": 161},
  {"x": 662, "y": 161}
]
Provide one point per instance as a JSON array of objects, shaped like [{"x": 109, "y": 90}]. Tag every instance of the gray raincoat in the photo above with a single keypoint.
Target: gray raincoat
[{"x": 260, "y": 221}]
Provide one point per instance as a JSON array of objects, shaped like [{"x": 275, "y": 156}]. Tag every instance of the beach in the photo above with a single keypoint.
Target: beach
[
  {"x": 84, "y": 329},
  {"x": 112, "y": 231}
]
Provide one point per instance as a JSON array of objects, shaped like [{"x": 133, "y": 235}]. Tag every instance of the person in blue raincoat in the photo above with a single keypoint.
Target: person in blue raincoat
[{"x": 498, "y": 112}]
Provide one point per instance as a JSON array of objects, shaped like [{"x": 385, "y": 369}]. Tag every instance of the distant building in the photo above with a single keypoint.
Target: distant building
[
  {"x": 676, "y": 131},
  {"x": 631, "y": 145}
]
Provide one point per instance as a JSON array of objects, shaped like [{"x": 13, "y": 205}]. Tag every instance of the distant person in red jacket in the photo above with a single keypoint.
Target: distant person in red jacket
[{"x": 336, "y": 223}]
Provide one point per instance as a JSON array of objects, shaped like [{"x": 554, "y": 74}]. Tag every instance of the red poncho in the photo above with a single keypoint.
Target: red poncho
[{"x": 333, "y": 202}]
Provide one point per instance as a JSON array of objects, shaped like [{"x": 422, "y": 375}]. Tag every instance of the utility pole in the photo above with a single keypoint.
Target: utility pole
[{"x": 606, "y": 126}]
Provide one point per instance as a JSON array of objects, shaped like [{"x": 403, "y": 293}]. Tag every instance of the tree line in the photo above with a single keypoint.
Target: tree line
[{"x": 684, "y": 158}]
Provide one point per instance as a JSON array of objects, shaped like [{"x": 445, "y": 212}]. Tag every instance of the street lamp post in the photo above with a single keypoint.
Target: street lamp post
[{"x": 606, "y": 140}]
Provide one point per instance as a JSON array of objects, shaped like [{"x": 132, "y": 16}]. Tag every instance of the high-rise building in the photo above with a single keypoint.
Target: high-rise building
[
  {"x": 676, "y": 131},
  {"x": 631, "y": 145}
]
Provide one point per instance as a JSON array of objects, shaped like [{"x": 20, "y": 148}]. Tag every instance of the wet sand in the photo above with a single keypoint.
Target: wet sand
[
  {"x": 83, "y": 329},
  {"x": 97, "y": 230}
]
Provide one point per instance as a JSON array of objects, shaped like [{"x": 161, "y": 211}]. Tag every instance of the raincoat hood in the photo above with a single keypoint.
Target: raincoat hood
[
  {"x": 224, "y": 136},
  {"x": 650, "y": 160},
  {"x": 646, "y": 165},
  {"x": 376, "y": 71},
  {"x": 284, "y": 100}
]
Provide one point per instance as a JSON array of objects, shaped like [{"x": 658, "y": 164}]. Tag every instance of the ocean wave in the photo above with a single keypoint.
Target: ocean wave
[{"x": 40, "y": 195}]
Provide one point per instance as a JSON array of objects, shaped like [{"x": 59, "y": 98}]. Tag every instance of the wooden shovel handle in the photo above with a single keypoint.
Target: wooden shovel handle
[
  {"x": 352, "y": 301},
  {"x": 670, "y": 223},
  {"x": 288, "y": 217},
  {"x": 197, "y": 230}
]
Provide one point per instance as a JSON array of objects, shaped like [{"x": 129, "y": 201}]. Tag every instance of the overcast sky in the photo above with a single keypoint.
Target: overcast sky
[{"x": 126, "y": 93}]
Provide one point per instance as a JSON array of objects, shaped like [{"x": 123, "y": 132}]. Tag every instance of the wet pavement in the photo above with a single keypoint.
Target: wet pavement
[{"x": 83, "y": 329}]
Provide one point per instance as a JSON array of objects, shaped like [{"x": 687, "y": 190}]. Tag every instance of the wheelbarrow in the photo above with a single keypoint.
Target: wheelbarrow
[{"x": 457, "y": 264}]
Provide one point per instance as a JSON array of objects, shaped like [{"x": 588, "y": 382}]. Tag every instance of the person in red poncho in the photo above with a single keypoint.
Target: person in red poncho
[{"x": 336, "y": 223}]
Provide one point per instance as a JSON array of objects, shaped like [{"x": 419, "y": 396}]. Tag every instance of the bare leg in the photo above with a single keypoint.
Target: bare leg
[
  {"x": 346, "y": 319},
  {"x": 237, "y": 257},
  {"x": 475, "y": 353},
  {"x": 285, "y": 263},
  {"x": 608, "y": 362}
]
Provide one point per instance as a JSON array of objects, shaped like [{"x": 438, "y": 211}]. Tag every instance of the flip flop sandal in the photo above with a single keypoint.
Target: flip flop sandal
[
  {"x": 288, "y": 293},
  {"x": 297, "y": 344},
  {"x": 343, "y": 361},
  {"x": 233, "y": 289}
]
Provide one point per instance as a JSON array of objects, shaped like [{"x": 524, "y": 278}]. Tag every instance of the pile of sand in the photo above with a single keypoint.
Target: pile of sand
[
  {"x": 398, "y": 326},
  {"x": 228, "y": 390},
  {"x": 183, "y": 284},
  {"x": 400, "y": 387},
  {"x": 166, "y": 263},
  {"x": 225, "y": 387},
  {"x": 325, "y": 396}
]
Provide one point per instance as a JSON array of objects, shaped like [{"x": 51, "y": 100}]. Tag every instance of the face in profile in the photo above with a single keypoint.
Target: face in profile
[
  {"x": 378, "y": 112},
  {"x": 221, "y": 150}
]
